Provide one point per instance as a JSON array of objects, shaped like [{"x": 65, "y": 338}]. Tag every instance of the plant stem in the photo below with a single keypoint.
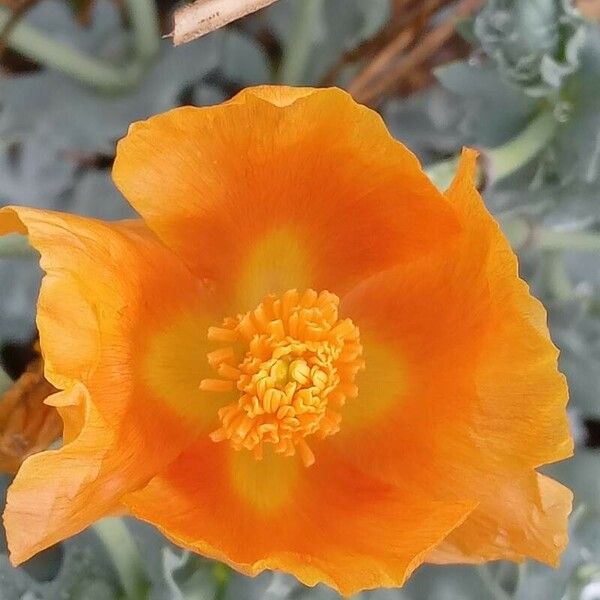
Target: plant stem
[
  {"x": 297, "y": 53},
  {"x": 442, "y": 172},
  {"x": 43, "y": 49},
  {"x": 510, "y": 157},
  {"x": 38, "y": 46},
  {"x": 221, "y": 574},
  {"x": 506, "y": 159},
  {"x": 521, "y": 572},
  {"x": 125, "y": 556},
  {"x": 146, "y": 28}
]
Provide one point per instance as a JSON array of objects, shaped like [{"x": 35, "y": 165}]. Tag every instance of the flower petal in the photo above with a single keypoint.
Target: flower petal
[
  {"x": 468, "y": 351},
  {"x": 281, "y": 188},
  {"x": 278, "y": 95},
  {"x": 58, "y": 493},
  {"x": 469, "y": 388},
  {"x": 517, "y": 379},
  {"x": 122, "y": 331},
  {"x": 329, "y": 523},
  {"x": 527, "y": 519}
]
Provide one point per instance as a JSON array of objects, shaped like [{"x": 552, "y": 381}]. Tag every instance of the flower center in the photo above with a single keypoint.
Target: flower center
[{"x": 294, "y": 362}]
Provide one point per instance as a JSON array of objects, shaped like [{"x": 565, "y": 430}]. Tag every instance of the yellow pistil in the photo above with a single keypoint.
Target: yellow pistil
[{"x": 294, "y": 362}]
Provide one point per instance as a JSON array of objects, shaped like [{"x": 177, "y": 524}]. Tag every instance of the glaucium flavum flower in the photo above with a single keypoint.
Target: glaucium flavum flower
[{"x": 303, "y": 357}]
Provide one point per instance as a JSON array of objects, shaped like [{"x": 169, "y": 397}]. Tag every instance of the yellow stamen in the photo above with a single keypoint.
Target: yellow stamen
[
  {"x": 215, "y": 385},
  {"x": 219, "y": 356},
  {"x": 222, "y": 334},
  {"x": 228, "y": 372},
  {"x": 298, "y": 366}
]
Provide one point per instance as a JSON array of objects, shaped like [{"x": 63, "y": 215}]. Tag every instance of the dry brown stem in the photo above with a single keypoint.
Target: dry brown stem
[
  {"x": 204, "y": 16},
  {"x": 409, "y": 25},
  {"x": 408, "y": 50}
]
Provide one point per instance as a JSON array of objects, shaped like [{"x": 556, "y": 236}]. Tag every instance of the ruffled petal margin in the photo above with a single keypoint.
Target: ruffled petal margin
[
  {"x": 528, "y": 518},
  {"x": 326, "y": 524},
  {"x": 462, "y": 388},
  {"x": 281, "y": 188},
  {"x": 110, "y": 291}
]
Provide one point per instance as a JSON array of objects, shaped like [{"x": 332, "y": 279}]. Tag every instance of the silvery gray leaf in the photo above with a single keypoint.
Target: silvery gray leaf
[
  {"x": 20, "y": 284},
  {"x": 577, "y": 146},
  {"x": 206, "y": 94},
  {"x": 541, "y": 582},
  {"x": 575, "y": 206},
  {"x": 34, "y": 171},
  {"x": 494, "y": 110},
  {"x": 428, "y": 122},
  {"x": 95, "y": 195},
  {"x": 571, "y": 207},
  {"x": 579, "y": 342},
  {"x": 80, "y": 120},
  {"x": 534, "y": 43},
  {"x": 55, "y": 19},
  {"x": 249, "y": 588},
  {"x": 343, "y": 25},
  {"x": 188, "y": 577},
  {"x": 243, "y": 60},
  {"x": 446, "y": 583},
  {"x": 77, "y": 569}
]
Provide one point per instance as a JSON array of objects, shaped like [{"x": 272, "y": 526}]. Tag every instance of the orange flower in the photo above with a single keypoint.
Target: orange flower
[{"x": 304, "y": 357}]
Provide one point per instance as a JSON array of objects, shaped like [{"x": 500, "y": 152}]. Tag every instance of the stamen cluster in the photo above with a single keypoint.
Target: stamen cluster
[{"x": 298, "y": 364}]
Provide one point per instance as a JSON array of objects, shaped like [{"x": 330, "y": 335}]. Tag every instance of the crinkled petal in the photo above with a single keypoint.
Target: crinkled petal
[
  {"x": 326, "y": 524},
  {"x": 123, "y": 332},
  {"x": 58, "y": 493},
  {"x": 461, "y": 381},
  {"x": 281, "y": 188},
  {"x": 528, "y": 518},
  {"x": 522, "y": 394},
  {"x": 278, "y": 95}
]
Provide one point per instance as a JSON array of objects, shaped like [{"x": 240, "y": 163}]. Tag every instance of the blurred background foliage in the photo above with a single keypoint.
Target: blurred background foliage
[{"x": 517, "y": 79}]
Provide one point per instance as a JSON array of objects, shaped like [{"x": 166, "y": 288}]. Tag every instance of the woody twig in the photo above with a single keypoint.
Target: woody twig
[{"x": 204, "y": 16}]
